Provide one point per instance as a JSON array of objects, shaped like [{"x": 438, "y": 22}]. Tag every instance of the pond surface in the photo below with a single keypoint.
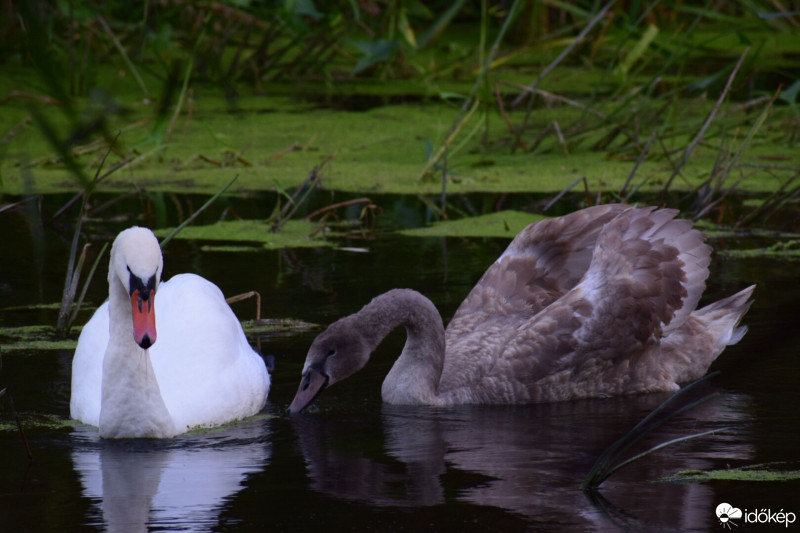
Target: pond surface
[{"x": 354, "y": 464}]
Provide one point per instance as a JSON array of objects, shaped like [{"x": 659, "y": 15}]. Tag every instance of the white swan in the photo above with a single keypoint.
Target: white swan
[
  {"x": 158, "y": 367},
  {"x": 599, "y": 302}
]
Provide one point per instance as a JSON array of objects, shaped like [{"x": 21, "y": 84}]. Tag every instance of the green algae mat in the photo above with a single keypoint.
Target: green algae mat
[{"x": 274, "y": 143}]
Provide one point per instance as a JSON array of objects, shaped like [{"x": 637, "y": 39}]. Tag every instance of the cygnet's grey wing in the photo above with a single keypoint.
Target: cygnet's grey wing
[
  {"x": 540, "y": 265},
  {"x": 603, "y": 337}
]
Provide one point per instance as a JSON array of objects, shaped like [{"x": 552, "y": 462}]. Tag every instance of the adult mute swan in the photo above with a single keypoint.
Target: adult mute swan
[
  {"x": 595, "y": 303},
  {"x": 158, "y": 367}
]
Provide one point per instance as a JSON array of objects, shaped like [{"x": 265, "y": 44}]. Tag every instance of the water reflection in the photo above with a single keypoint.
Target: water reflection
[
  {"x": 179, "y": 483},
  {"x": 528, "y": 460}
]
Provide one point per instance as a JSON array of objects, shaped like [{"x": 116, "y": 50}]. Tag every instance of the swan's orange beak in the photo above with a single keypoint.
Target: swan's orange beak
[
  {"x": 310, "y": 386},
  {"x": 144, "y": 317}
]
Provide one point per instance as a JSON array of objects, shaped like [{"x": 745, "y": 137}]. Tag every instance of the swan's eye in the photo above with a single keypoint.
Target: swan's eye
[{"x": 331, "y": 352}]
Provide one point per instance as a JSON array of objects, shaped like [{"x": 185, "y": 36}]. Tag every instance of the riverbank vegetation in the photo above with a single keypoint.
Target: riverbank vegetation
[
  {"x": 665, "y": 102},
  {"x": 464, "y": 107}
]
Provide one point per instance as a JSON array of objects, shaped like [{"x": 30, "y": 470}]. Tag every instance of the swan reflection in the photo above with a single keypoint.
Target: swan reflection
[
  {"x": 175, "y": 483},
  {"x": 528, "y": 460}
]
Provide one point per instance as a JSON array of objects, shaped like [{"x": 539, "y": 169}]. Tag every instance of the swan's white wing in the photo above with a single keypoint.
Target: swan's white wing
[
  {"x": 87, "y": 368},
  {"x": 206, "y": 369}
]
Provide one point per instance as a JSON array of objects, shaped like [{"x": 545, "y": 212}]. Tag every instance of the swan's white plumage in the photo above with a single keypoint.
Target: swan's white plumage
[{"x": 206, "y": 371}]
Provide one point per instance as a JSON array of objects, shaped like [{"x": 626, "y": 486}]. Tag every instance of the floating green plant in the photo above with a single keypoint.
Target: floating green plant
[
  {"x": 294, "y": 234},
  {"x": 759, "y": 472},
  {"x": 221, "y": 428},
  {"x": 34, "y": 338},
  {"x": 38, "y": 421},
  {"x": 500, "y": 224},
  {"x": 38, "y": 338},
  {"x": 787, "y": 249},
  {"x": 277, "y": 326}
]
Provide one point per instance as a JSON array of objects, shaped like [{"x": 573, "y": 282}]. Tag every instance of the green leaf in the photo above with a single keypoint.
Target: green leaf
[
  {"x": 441, "y": 23},
  {"x": 638, "y": 50},
  {"x": 374, "y": 52},
  {"x": 405, "y": 28},
  {"x": 302, "y": 8}
]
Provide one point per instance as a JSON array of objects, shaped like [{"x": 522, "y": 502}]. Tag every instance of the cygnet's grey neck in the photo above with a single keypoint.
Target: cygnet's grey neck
[{"x": 414, "y": 378}]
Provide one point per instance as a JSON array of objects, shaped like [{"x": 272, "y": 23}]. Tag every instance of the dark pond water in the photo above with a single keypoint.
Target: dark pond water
[{"x": 354, "y": 464}]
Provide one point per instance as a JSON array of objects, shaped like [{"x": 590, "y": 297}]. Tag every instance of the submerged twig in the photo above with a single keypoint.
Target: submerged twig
[
  {"x": 245, "y": 296},
  {"x": 608, "y": 462},
  {"x": 332, "y": 207},
  {"x": 25, "y": 444}
]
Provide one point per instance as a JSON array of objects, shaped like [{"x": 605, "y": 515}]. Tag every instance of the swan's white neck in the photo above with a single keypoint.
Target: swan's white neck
[
  {"x": 414, "y": 378},
  {"x": 131, "y": 404}
]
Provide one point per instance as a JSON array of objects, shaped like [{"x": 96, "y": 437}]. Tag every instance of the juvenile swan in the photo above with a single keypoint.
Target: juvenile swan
[
  {"x": 596, "y": 303},
  {"x": 157, "y": 367}
]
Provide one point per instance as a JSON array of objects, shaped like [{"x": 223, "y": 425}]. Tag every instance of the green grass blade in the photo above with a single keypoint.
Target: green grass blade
[
  {"x": 203, "y": 207},
  {"x": 441, "y": 23},
  {"x": 125, "y": 57}
]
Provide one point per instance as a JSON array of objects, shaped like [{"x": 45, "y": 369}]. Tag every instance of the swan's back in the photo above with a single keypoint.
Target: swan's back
[{"x": 579, "y": 306}]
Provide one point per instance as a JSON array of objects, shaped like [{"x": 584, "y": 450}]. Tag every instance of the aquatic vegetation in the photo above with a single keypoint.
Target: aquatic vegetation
[
  {"x": 756, "y": 473},
  {"x": 611, "y": 460},
  {"x": 33, "y": 338},
  {"x": 784, "y": 249},
  {"x": 499, "y": 224},
  {"x": 295, "y": 233},
  {"x": 33, "y": 422},
  {"x": 37, "y": 338},
  {"x": 272, "y": 327}
]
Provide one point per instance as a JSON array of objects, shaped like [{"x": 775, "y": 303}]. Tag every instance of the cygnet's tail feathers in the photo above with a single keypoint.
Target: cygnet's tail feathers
[
  {"x": 687, "y": 352},
  {"x": 723, "y": 316}
]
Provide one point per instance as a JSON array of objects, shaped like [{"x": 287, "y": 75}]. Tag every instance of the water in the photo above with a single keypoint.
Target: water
[{"x": 355, "y": 464}]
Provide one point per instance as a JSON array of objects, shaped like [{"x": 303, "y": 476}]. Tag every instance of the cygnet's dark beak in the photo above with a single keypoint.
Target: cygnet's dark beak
[{"x": 311, "y": 385}]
